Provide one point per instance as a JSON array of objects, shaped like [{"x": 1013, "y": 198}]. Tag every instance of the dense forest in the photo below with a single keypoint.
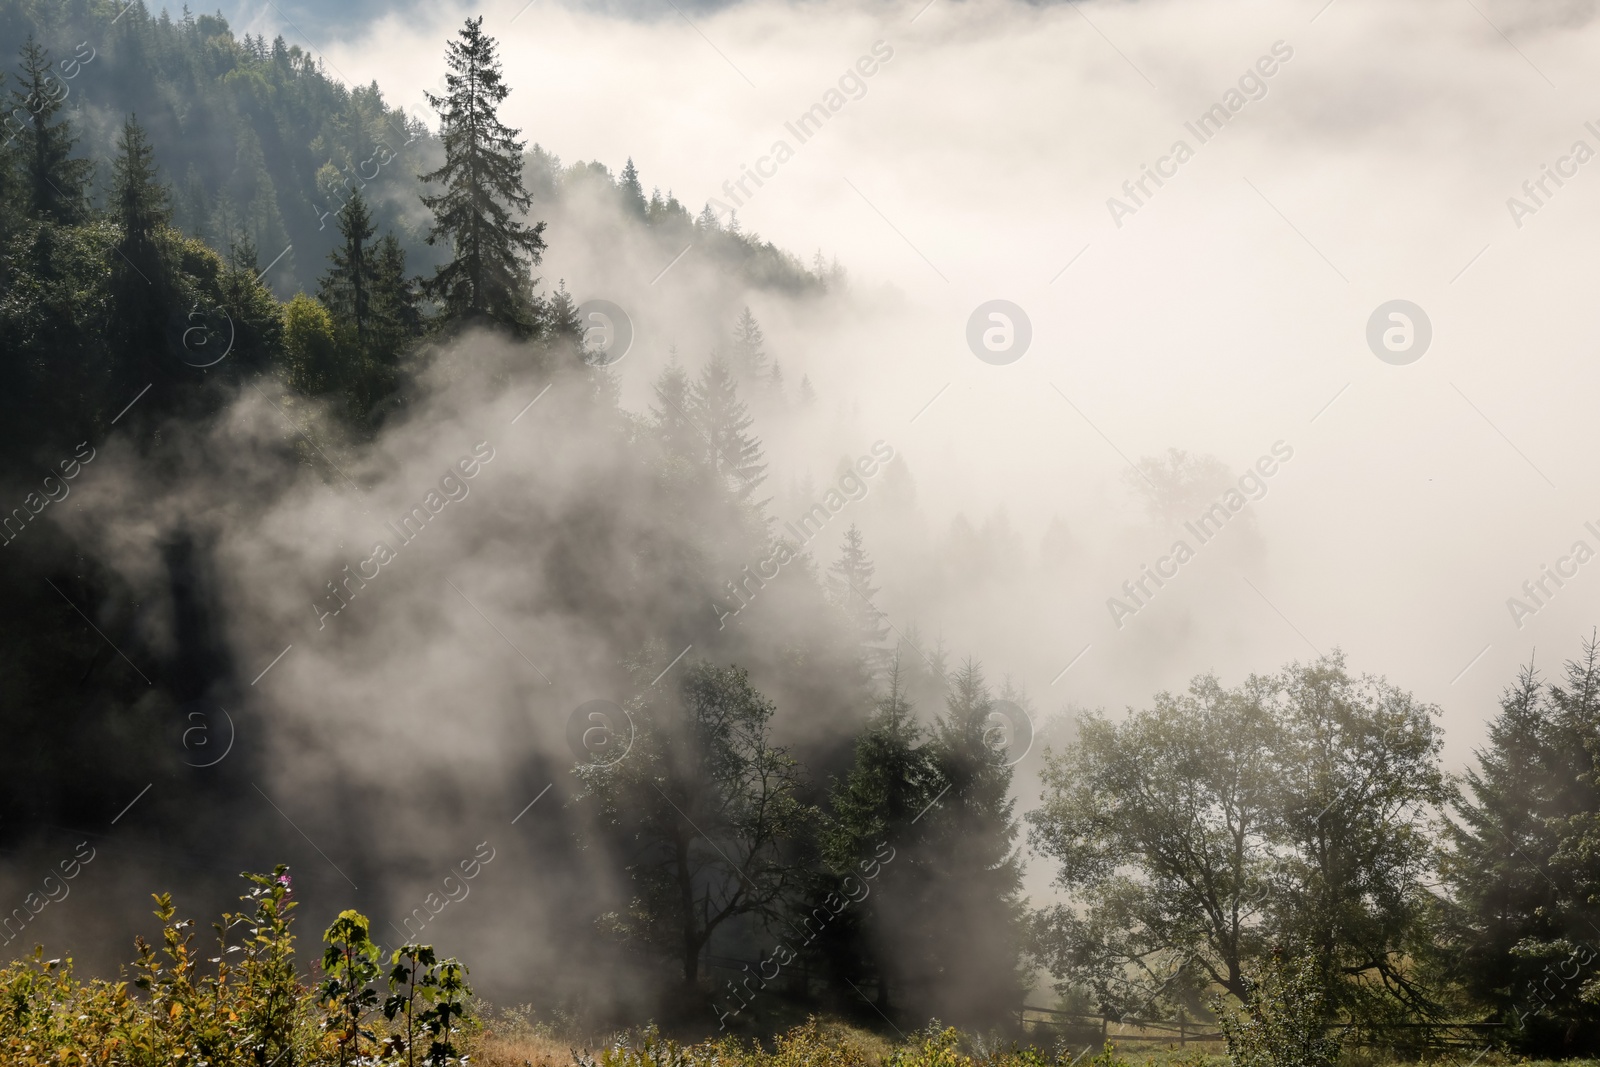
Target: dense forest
[{"x": 248, "y": 313}]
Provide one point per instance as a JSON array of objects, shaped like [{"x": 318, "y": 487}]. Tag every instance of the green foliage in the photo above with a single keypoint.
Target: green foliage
[
  {"x": 347, "y": 287},
  {"x": 1284, "y": 1021},
  {"x": 1526, "y": 861},
  {"x": 266, "y": 965},
  {"x": 892, "y": 782},
  {"x": 873, "y": 833},
  {"x": 428, "y": 996},
  {"x": 316, "y": 362},
  {"x": 817, "y": 1044},
  {"x": 244, "y": 1007},
  {"x": 54, "y": 183},
  {"x": 350, "y": 964},
  {"x": 935, "y": 1047},
  {"x": 1293, "y": 809},
  {"x": 241, "y": 124}
]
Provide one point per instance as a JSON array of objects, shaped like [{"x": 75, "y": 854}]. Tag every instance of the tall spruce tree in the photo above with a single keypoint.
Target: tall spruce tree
[
  {"x": 347, "y": 287},
  {"x": 721, "y": 416},
  {"x": 397, "y": 319},
  {"x": 850, "y": 586},
  {"x": 54, "y": 183},
  {"x": 141, "y": 204},
  {"x": 486, "y": 279},
  {"x": 142, "y": 292},
  {"x": 10, "y": 215},
  {"x": 974, "y": 916},
  {"x": 1524, "y": 884},
  {"x": 749, "y": 355},
  {"x": 670, "y": 418},
  {"x": 633, "y": 201},
  {"x": 873, "y": 835}
]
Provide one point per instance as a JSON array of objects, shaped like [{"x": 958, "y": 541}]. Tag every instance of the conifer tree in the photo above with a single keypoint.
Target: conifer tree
[
  {"x": 633, "y": 201},
  {"x": 486, "y": 278},
  {"x": 54, "y": 183},
  {"x": 141, "y": 203},
  {"x": 141, "y": 283},
  {"x": 347, "y": 287},
  {"x": 749, "y": 348},
  {"x": 671, "y": 415},
  {"x": 561, "y": 319},
  {"x": 1524, "y": 892},
  {"x": 252, "y": 197},
  {"x": 10, "y": 127},
  {"x": 194, "y": 215},
  {"x": 873, "y": 828},
  {"x": 850, "y": 585},
  {"x": 243, "y": 254},
  {"x": 717, "y": 411},
  {"x": 395, "y": 314},
  {"x": 256, "y": 315},
  {"x": 973, "y": 898}
]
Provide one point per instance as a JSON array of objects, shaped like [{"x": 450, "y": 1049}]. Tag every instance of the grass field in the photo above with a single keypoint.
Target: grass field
[{"x": 509, "y": 1039}]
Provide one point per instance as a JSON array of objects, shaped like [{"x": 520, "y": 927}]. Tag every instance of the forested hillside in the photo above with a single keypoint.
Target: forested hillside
[{"x": 261, "y": 142}]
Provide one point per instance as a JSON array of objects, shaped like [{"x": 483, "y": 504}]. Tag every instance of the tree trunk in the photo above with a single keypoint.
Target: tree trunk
[{"x": 691, "y": 939}]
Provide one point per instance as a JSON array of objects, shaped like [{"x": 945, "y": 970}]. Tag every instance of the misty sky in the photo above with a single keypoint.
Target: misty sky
[{"x": 1222, "y": 316}]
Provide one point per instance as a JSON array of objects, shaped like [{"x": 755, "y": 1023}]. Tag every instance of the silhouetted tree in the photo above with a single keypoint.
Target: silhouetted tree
[
  {"x": 54, "y": 183},
  {"x": 142, "y": 292},
  {"x": 633, "y": 201},
  {"x": 397, "y": 320},
  {"x": 347, "y": 286},
  {"x": 486, "y": 278},
  {"x": 712, "y": 809}
]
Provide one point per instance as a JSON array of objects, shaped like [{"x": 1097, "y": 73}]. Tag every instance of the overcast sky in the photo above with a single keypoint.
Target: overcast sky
[{"x": 1228, "y": 311}]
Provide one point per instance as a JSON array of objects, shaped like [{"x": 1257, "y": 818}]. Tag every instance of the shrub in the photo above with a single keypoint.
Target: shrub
[
  {"x": 244, "y": 1007},
  {"x": 1284, "y": 1022}
]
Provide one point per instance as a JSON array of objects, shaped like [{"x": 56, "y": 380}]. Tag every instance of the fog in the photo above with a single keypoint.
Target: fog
[
  {"x": 1223, "y": 316},
  {"x": 1223, "y": 312}
]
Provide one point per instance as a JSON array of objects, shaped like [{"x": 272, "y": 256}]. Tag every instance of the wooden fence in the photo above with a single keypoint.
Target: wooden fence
[
  {"x": 1079, "y": 1028},
  {"x": 1082, "y": 1031}
]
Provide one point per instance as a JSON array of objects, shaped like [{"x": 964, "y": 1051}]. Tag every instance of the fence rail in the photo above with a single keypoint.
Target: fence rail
[
  {"x": 1102, "y": 1028},
  {"x": 1085, "y": 1026}
]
